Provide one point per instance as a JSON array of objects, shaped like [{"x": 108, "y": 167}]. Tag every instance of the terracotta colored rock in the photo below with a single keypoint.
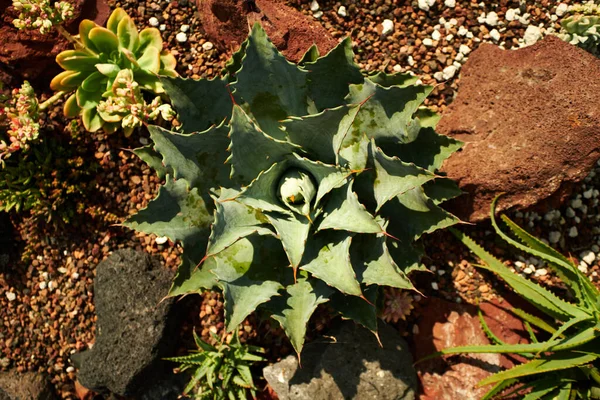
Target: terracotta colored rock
[
  {"x": 447, "y": 325},
  {"x": 31, "y": 55},
  {"x": 227, "y": 22},
  {"x": 530, "y": 119}
]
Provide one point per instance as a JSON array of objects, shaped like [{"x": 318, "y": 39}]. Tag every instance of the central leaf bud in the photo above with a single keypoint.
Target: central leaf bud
[{"x": 297, "y": 190}]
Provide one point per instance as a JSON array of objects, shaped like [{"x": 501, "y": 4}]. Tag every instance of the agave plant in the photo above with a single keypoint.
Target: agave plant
[
  {"x": 297, "y": 184},
  {"x": 99, "y": 55},
  {"x": 222, "y": 372},
  {"x": 566, "y": 364}
]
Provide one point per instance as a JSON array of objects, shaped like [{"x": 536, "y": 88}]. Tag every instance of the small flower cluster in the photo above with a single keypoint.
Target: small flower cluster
[
  {"x": 589, "y": 8},
  {"x": 397, "y": 304},
  {"x": 127, "y": 104},
  {"x": 20, "y": 114},
  {"x": 41, "y": 14}
]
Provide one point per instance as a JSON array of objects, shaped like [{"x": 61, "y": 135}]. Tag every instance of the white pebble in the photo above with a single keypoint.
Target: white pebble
[
  {"x": 388, "y": 27},
  {"x": 532, "y": 35},
  {"x": 184, "y": 28},
  {"x": 495, "y": 35},
  {"x": 43, "y": 285},
  {"x": 153, "y": 21},
  {"x": 143, "y": 141},
  {"x": 342, "y": 11},
  {"x": 181, "y": 37},
  {"x": 588, "y": 256},
  {"x": 588, "y": 193},
  {"x": 449, "y": 37},
  {"x": 573, "y": 232},
  {"x": 428, "y": 42},
  {"x": 450, "y": 3},
  {"x": 415, "y": 329},
  {"x": 459, "y": 57},
  {"x": 595, "y": 248},
  {"x": 449, "y": 72},
  {"x": 162, "y": 27},
  {"x": 554, "y": 237},
  {"x": 464, "y": 49},
  {"x": 75, "y": 276},
  {"x": 314, "y": 6},
  {"x": 70, "y": 369},
  {"x": 51, "y": 285},
  {"x": 541, "y": 272},
  {"x": 45, "y": 276},
  {"x": 436, "y": 35},
  {"x": 511, "y": 14},
  {"x": 577, "y": 203},
  {"x": 453, "y": 21},
  {"x": 528, "y": 271},
  {"x": 439, "y": 76},
  {"x": 11, "y": 296},
  {"x": 397, "y": 68},
  {"x": 491, "y": 19},
  {"x": 318, "y": 14},
  {"x": 570, "y": 213},
  {"x": 161, "y": 240},
  {"x": 519, "y": 264},
  {"x": 62, "y": 270},
  {"x": 583, "y": 267},
  {"x": 425, "y": 5},
  {"x": 561, "y": 9},
  {"x": 411, "y": 61},
  {"x": 462, "y": 31},
  {"x": 206, "y": 46},
  {"x": 434, "y": 286}
]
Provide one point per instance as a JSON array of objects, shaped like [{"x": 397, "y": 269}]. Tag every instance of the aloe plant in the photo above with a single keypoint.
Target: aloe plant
[
  {"x": 565, "y": 365},
  {"x": 101, "y": 55},
  {"x": 294, "y": 185},
  {"x": 221, "y": 372}
]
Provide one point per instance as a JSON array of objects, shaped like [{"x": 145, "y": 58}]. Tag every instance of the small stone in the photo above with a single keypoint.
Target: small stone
[
  {"x": 588, "y": 193},
  {"x": 532, "y": 35},
  {"x": 428, "y": 42},
  {"x": 314, "y": 6},
  {"x": 439, "y": 76},
  {"x": 388, "y": 27},
  {"x": 528, "y": 271},
  {"x": 464, "y": 49},
  {"x": 74, "y": 276},
  {"x": 495, "y": 35},
  {"x": 318, "y": 14},
  {"x": 434, "y": 286},
  {"x": 449, "y": 37},
  {"x": 573, "y": 232},
  {"x": 206, "y": 46},
  {"x": 588, "y": 256},
  {"x": 342, "y": 11},
  {"x": 162, "y": 27},
  {"x": 184, "y": 28},
  {"x": 52, "y": 285},
  {"x": 181, "y": 37},
  {"x": 436, "y": 35},
  {"x": 411, "y": 61},
  {"x": 11, "y": 296},
  {"x": 583, "y": 267},
  {"x": 595, "y": 248},
  {"x": 491, "y": 19},
  {"x": 484, "y": 288},
  {"x": 570, "y": 213},
  {"x": 554, "y": 237},
  {"x": 450, "y": 3},
  {"x": 577, "y": 203},
  {"x": 397, "y": 68},
  {"x": 541, "y": 272},
  {"x": 43, "y": 285},
  {"x": 161, "y": 240},
  {"x": 511, "y": 14},
  {"x": 462, "y": 31},
  {"x": 70, "y": 369},
  {"x": 561, "y": 9},
  {"x": 425, "y": 5},
  {"x": 153, "y": 21},
  {"x": 449, "y": 72}
]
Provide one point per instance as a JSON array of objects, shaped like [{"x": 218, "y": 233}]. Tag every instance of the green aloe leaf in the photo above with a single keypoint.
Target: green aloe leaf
[
  {"x": 199, "y": 104},
  {"x": 280, "y": 92},
  {"x": 245, "y": 135},
  {"x": 198, "y": 158},
  {"x": 327, "y": 257},
  {"x": 329, "y": 76},
  {"x": 294, "y": 310},
  {"x": 246, "y": 283}
]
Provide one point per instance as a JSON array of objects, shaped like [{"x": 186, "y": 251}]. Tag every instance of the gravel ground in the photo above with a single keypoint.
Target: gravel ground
[{"x": 46, "y": 304}]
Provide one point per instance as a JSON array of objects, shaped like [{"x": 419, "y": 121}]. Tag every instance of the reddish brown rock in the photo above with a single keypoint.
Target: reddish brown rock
[
  {"x": 447, "y": 325},
  {"x": 31, "y": 55},
  {"x": 530, "y": 119},
  {"x": 227, "y": 22}
]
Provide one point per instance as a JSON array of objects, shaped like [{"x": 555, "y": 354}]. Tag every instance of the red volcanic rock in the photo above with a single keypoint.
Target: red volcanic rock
[
  {"x": 530, "y": 119},
  {"x": 227, "y": 23},
  {"x": 29, "y": 54},
  {"x": 446, "y": 325}
]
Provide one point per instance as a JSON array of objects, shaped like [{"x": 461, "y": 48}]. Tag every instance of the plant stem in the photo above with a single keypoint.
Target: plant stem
[
  {"x": 51, "y": 100},
  {"x": 595, "y": 375},
  {"x": 78, "y": 45}
]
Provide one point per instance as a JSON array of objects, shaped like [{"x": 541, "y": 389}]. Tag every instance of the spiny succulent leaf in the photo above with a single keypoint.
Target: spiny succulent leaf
[
  {"x": 233, "y": 221},
  {"x": 327, "y": 257},
  {"x": 358, "y": 309},
  {"x": 394, "y": 177},
  {"x": 293, "y": 232},
  {"x": 328, "y": 177},
  {"x": 294, "y": 310},
  {"x": 441, "y": 190},
  {"x": 320, "y": 134},
  {"x": 199, "y": 103},
  {"x": 252, "y": 151},
  {"x": 428, "y": 150},
  {"x": 153, "y": 159},
  {"x": 399, "y": 79},
  {"x": 198, "y": 158},
  {"x": 329, "y": 76},
  {"x": 354, "y": 155},
  {"x": 262, "y": 193},
  {"x": 247, "y": 283},
  {"x": 311, "y": 55},
  {"x": 280, "y": 91},
  {"x": 374, "y": 264},
  {"x": 343, "y": 212}
]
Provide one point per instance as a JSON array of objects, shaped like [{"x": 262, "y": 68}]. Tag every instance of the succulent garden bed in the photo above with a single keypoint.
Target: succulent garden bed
[{"x": 256, "y": 214}]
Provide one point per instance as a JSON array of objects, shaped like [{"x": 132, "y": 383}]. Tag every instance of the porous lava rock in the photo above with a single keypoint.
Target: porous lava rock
[
  {"x": 349, "y": 364},
  {"x": 530, "y": 120},
  {"x": 227, "y": 23},
  {"x": 27, "y": 386},
  {"x": 27, "y": 54},
  {"x": 447, "y": 325},
  {"x": 134, "y": 328}
]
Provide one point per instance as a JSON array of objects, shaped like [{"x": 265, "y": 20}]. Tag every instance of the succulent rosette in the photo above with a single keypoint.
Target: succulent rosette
[
  {"x": 583, "y": 31},
  {"x": 297, "y": 184},
  {"x": 100, "y": 54}
]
